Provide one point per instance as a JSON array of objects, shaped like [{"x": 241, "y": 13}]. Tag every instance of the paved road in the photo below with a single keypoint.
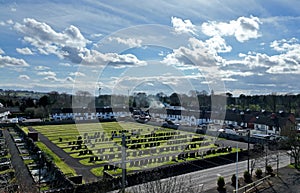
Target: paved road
[
  {"x": 205, "y": 180},
  {"x": 24, "y": 178}
]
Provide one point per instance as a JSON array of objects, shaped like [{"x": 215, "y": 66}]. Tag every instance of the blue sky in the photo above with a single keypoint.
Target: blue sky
[{"x": 242, "y": 47}]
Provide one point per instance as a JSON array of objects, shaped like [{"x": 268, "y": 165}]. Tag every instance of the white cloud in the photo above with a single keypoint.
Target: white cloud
[
  {"x": 198, "y": 52},
  {"x": 48, "y": 41},
  {"x": 285, "y": 45},
  {"x": 244, "y": 28},
  {"x": 51, "y": 78},
  {"x": 47, "y": 73},
  {"x": 7, "y": 22},
  {"x": 183, "y": 26},
  {"x": 71, "y": 44},
  {"x": 131, "y": 42},
  {"x": 65, "y": 64},
  {"x": 41, "y": 68},
  {"x": 258, "y": 60},
  {"x": 76, "y": 74},
  {"x": 10, "y": 22},
  {"x": 96, "y": 35},
  {"x": 93, "y": 57},
  {"x": 24, "y": 77},
  {"x": 24, "y": 51},
  {"x": 12, "y": 62},
  {"x": 218, "y": 43},
  {"x": 229, "y": 73},
  {"x": 284, "y": 69},
  {"x": 69, "y": 79},
  {"x": 286, "y": 62},
  {"x": 60, "y": 80},
  {"x": 1, "y": 51}
]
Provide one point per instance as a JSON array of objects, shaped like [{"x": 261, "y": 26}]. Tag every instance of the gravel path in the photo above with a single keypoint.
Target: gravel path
[
  {"x": 80, "y": 169},
  {"x": 24, "y": 178}
]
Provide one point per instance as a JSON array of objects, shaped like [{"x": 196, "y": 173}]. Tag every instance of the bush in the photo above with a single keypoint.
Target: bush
[
  {"x": 221, "y": 183},
  {"x": 269, "y": 169},
  {"x": 247, "y": 177},
  {"x": 258, "y": 173}
]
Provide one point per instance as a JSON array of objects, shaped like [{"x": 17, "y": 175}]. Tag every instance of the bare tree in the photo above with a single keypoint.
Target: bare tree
[
  {"x": 170, "y": 185},
  {"x": 294, "y": 145}
]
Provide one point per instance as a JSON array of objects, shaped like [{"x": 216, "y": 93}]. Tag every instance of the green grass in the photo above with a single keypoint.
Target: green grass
[
  {"x": 58, "y": 162},
  {"x": 293, "y": 166},
  {"x": 6, "y": 171},
  {"x": 97, "y": 171},
  {"x": 29, "y": 161},
  {"x": 25, "y": 129}
]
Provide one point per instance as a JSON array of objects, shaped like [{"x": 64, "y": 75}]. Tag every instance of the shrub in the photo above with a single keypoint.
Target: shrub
[
  {"x": 247, "y": 177},
  {"x": 258, "y": 173},
  {"x": 221, "y": 183},
  {"x": 269, "y": 169}
]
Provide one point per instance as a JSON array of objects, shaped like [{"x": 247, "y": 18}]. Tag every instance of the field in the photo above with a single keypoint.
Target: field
[{"x": 98, "y": 145}]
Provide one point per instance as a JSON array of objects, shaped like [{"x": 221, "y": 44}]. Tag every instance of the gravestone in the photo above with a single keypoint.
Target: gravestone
[
  {"x": 91, "y": 159},
  {"x": 131, "y": 164},
  {"x": 136, "y": 163}
]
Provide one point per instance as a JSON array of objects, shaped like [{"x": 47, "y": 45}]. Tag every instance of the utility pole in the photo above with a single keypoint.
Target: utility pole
[
  {"x": 123, "y": 162},
  {"x": 248, "y": 160},
  {"x": 237, "y": 168},
  {"x": 266, "y": 154},
  {"x": 278, "y": 163}
]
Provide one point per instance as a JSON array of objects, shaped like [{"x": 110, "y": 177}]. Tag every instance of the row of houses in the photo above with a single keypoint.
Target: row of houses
[
  {"x": 4, "y": 116},
  {"x": 280, "y": 123}
]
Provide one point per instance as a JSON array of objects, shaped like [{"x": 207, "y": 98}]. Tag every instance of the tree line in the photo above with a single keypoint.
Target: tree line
[{"x": 41, "y": 104}]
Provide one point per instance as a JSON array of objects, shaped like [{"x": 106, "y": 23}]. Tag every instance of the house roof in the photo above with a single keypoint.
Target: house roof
[{"x": 267, "y": 118}]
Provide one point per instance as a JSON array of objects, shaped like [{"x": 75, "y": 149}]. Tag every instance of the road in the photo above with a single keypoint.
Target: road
[{"x": 204, "y": 180}]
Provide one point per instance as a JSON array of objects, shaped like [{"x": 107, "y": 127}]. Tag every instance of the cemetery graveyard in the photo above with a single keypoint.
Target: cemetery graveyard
[{"x": 99, "y": 145}]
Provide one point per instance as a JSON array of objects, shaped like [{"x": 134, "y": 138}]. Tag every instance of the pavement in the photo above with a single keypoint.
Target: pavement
[{"x": 24, "y": 179}]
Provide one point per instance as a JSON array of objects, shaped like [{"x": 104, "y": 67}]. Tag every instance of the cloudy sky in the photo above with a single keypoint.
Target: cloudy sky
[{"x": 242, "y": 47}]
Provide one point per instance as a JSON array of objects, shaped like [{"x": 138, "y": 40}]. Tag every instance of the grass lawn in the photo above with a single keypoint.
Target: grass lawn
[{"x": 58, "y": 162}]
